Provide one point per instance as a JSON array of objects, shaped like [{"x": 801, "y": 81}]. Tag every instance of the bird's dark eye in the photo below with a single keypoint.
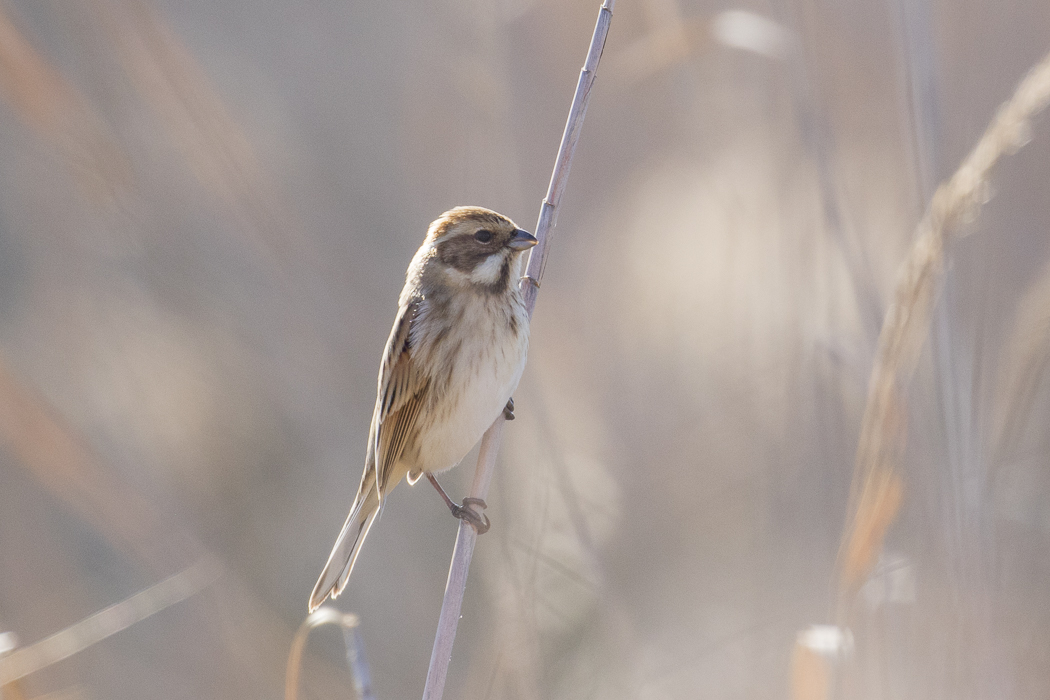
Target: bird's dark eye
[{"x": 483, "y": 236}]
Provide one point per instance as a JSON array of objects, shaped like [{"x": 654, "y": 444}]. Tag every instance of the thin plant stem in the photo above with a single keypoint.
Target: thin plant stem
[
  {"x": 466, "y": 537},
  {"x": 355, "y": 654},
  {"x": 109, "y": 621}
]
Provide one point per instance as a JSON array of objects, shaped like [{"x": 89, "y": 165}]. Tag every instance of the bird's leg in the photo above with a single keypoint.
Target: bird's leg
[
  {"x": 508, "y": 411},
  {"x": 478, "y": 521}
]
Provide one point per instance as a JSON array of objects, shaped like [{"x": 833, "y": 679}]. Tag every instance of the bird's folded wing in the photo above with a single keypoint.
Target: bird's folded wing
[{"x": 402, "y": 390}]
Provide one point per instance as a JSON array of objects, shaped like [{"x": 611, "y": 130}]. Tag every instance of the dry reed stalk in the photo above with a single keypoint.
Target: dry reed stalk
[
  {"x": 466, "y": 535},
  {"x": 877, "y": 489},
  {"x": 62, "y": 464},
  {"x": 810, "y": 675},
  {"x": 109, "y": 621},
  {"x": 813, "y": 661}
]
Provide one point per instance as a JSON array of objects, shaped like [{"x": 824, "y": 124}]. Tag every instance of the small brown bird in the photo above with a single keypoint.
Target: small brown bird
[{"x": 454, "y": 357}]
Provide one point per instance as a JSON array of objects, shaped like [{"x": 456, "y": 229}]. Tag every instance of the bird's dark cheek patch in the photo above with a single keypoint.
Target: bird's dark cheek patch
[{"x": 462, "y": 253}]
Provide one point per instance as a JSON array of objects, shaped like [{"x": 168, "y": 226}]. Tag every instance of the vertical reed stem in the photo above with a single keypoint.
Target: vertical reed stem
[{"x": 466, "y": 536}]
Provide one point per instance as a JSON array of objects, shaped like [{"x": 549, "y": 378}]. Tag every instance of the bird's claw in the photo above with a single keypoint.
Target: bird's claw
[
  {"x": 508, "y": 410},
  {"x": 478, "y": 521}
]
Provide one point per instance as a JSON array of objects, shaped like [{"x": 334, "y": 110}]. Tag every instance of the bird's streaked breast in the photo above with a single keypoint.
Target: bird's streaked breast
[{"x": 477, "y": 360}]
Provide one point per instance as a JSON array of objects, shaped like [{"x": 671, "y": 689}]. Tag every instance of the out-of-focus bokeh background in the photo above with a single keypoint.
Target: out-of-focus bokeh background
[{"x": 206, "y": 210}]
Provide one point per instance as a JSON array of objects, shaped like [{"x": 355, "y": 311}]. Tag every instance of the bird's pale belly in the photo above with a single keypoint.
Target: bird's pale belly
[{"x": 470, "y": 407}]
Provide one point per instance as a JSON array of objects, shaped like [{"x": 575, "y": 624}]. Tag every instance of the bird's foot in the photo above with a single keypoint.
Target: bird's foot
[
  {"x": 508, "y": 410},
  {"x": 478, "y": 521}
]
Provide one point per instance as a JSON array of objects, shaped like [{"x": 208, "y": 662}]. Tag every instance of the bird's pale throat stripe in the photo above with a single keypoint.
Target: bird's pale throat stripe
[{"x": 488, "y": 271}]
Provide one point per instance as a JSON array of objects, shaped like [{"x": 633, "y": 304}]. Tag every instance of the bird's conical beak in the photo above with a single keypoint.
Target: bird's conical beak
[{"x": 521, "y": 240}]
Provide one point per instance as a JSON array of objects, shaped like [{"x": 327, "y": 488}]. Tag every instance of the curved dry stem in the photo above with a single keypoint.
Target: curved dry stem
[{"x": 355, "y": 657}]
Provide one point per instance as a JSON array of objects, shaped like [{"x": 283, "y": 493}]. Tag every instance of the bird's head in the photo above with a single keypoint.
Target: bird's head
[{"x": 478, "y": 247}]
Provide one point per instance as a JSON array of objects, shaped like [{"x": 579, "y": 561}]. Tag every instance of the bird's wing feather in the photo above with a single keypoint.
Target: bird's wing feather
[{"x": 402, "y": 391}]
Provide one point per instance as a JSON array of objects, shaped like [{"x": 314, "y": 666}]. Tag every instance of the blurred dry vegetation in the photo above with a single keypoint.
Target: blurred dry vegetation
[{"x": 206, "y": 210}]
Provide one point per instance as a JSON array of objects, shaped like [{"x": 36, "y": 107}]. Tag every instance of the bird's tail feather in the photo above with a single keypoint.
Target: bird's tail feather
[{"x": 347, "y": 546}]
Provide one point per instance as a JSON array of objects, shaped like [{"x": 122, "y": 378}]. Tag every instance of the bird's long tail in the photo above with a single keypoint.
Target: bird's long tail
[{"x": 348, "y": 545}]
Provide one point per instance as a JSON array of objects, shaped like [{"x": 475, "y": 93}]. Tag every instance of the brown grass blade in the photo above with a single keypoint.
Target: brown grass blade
[
  {"x": 59, "y": 460},
  {"x": 51, "y": 106},
  {"x": 196, "y": 120}
]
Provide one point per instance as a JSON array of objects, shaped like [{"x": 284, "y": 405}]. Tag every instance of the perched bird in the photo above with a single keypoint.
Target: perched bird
[{"x": 454, "y": 357}]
